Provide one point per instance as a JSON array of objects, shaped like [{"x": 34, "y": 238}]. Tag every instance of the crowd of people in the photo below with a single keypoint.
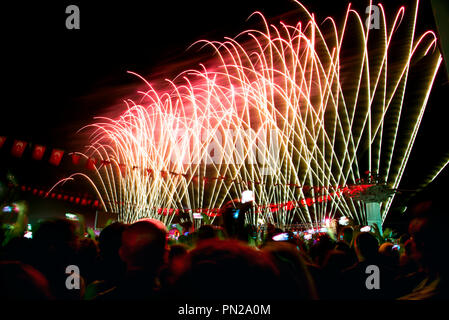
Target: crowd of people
[{"x": 216, "y": 262}]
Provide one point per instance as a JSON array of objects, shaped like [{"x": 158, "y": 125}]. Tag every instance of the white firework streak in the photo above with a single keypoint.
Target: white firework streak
[{"x": 277, "y": 110}]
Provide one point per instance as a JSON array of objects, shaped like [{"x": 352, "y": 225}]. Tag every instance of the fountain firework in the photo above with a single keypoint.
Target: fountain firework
[{"x": 278, "y": 109}]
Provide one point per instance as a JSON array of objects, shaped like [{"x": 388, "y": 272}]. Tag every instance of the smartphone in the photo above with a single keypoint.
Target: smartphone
[{"x": 281, "y": 237}]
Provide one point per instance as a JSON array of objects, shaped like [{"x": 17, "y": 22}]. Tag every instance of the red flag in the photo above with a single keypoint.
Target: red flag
[
  {"x": 38, "y": 152},
  {"x": 90, "y": 164},
  {"x": 2, "y": 141},
  {"x": 18, "y": 148},
  {"x": 56, "y": 157},
  {"x": 290, "y": 205},
  {"x": 75, "y": 158}
]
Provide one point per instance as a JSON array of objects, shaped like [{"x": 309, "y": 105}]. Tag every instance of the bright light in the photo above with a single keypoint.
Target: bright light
[
  {"x": 281, "y": 237},
  {"x": 197, "y": 215},
  {"x": 71, "y": 216},
  {"x": 343, "y": 221},
  {"x": 365, "y": 229},
  {"x": 327, "y": 222},
  {"x": 247, "y": 196}
]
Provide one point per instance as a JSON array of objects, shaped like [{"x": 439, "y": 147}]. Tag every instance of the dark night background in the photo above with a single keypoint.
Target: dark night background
[{"x": 56, "y": 80}]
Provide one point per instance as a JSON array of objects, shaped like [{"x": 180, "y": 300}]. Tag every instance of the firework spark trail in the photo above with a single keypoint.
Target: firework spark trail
[{"x": 276, "y": 109}]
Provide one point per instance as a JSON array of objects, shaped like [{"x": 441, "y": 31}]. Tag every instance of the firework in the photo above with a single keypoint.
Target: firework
[{"x": 277, "y": 109}]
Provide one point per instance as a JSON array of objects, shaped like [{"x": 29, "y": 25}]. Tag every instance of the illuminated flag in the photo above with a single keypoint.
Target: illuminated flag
[
  {"x": 18, "y": 148},
  {"x": 289, "y": 206},
  {"x": 75, "y": 158},
  {"x": 38, "y": 152},
  {"x": 90, "y": 164},
  {"x": 2, "y": 141},
  {"x": 56, "y": 157}
]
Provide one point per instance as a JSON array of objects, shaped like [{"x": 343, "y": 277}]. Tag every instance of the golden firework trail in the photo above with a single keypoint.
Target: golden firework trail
[{"x": 282, "y": 107}]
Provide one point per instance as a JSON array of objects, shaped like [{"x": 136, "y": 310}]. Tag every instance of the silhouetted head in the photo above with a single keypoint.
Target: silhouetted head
[
  {"x": 295, "y": 279},
  {"x": 321, "y": 246},
  {"x": 20, "y": 281},
  {"x": 110, "y": 240},
  {"x": 346, "y": 235},
  {"x": 389, "y": 254},
  {"x": 88, "y": 258},
  {"x": 144, "y": 245},
  {"x": 429, "y": 235},
  {"x": 233, "y": 215},
  {"x": 59, "y": 233},
  {"x": 227, "y": 269},
  {"x": 206, "y": 231},
  {"x": 336, "y": 261},
  {"x": 366, "y": 246},
  {"x": 56, "y": 247},
  {"x": 386, "y": 248},
  {"x": 176, "y": 257}
]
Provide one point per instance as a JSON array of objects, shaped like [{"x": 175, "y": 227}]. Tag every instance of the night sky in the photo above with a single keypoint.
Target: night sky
[{"x": 56, "y": 80}]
